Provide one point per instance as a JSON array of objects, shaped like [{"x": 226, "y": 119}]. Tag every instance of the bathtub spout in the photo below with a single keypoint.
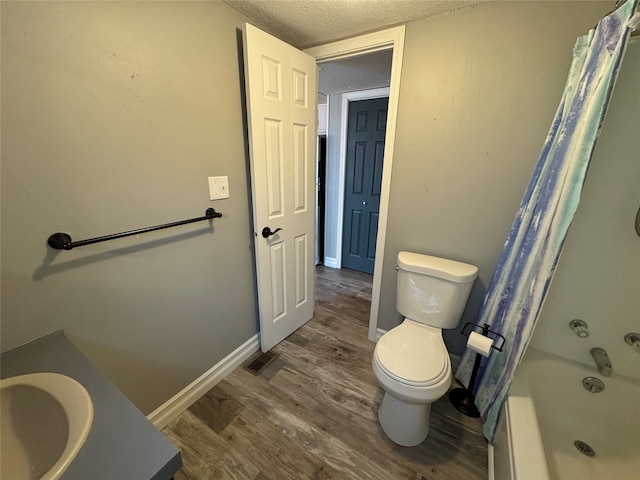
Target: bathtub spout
[{"x": 601, "y": 358}]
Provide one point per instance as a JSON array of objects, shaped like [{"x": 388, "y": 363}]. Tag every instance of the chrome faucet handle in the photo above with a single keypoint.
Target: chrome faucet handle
[
  {"x": 580, "y": 327},
  {"x": 633, "y": 339}
]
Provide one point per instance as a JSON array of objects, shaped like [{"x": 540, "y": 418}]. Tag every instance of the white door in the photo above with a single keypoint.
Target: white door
[{"x": 281, "y": 87}]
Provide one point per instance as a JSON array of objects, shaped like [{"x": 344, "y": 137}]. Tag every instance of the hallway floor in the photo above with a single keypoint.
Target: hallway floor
[{"x": 312, "y": 413}]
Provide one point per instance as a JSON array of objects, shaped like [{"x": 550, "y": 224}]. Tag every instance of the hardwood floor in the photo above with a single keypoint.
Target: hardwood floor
[{"x": 312, "y": 413}]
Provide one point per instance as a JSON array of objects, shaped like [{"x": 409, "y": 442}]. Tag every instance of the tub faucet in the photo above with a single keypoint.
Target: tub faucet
[{"x": 601, "y": 358}]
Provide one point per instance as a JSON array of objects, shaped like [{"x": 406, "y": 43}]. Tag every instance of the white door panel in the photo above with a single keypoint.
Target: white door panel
[{"x": 281, "y": 86}]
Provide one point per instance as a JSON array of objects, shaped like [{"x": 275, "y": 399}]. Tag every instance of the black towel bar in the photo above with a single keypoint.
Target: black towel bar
[{"x": 62, "y": 241}]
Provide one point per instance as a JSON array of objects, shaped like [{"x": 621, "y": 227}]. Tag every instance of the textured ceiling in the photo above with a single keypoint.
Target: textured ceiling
[{"x": 307, "y": 23}]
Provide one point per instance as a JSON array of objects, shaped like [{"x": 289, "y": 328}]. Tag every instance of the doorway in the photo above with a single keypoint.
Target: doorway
[
  {"x": 321, "y": 171},
  {"x": 360, "y": 77},
  {"x": 392, "y": 40}
]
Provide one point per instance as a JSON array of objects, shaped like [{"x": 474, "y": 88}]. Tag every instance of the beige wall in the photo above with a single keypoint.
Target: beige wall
[
  {"x": 113, "y": 116},
  {"x": 115, "y": 113},
  {"x": 479, "y": 90}
]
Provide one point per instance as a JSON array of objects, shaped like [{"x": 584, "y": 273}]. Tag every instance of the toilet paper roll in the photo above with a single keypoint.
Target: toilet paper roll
[{"x": 479, "y": 343}]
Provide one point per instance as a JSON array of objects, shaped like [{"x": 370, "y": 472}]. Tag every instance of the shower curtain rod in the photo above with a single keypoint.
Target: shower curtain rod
[{"x": 62, "y": 241}]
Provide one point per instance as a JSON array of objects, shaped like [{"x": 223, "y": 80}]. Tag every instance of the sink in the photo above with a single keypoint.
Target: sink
[{"x": 45, "y": 419}]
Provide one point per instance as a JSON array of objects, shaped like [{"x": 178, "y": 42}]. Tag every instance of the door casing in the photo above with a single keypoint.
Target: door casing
[
  {"x": 342, "y": 161},
  {"x": 364, "y": 136}
]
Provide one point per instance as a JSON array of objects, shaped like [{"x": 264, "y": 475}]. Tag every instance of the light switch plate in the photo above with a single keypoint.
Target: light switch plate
[
  {"x": 218, "y": 187},
  {"x": 214, "y": 188},
  {"x": 224, "y": 187}
]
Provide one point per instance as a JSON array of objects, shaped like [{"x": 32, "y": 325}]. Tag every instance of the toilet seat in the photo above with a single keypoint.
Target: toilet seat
[{"x": 413, "y": 354}]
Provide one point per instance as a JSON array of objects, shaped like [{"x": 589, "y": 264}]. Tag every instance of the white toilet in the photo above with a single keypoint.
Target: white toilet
[{"x": 411, "y": 360}]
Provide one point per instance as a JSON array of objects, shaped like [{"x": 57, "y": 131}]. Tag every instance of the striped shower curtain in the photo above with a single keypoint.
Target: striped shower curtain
[{"x": 530, "y": 255}]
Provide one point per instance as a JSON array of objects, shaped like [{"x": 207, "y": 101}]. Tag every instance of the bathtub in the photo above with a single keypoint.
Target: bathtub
[{"x": 548, "y": 409}]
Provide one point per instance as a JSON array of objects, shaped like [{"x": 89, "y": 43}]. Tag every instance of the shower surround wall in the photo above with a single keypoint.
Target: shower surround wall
[{"x": 598, "y": 275}]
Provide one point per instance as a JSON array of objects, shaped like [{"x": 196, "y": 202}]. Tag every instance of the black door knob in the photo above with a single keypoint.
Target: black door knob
[{"x": 266, "y": 232}]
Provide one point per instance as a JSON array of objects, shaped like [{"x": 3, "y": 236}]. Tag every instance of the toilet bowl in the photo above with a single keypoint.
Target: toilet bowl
[
  {"x": 411, "y": 361},
  {"x": 413, "y": 367}
]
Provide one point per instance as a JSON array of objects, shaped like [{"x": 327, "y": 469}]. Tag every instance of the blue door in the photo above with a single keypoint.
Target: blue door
[{"x": 367, "y": 124}]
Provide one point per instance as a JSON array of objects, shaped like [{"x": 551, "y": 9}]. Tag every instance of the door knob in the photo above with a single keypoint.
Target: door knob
[
  {"x": 266, "y": 232},
  {"x": 364, "y": 203}
]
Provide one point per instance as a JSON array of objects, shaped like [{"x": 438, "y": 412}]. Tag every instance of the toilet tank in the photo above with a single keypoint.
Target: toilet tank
[{"x": 432, "y": 290}]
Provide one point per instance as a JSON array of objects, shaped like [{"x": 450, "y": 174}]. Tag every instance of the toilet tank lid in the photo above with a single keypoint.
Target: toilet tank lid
[{"x": 437, "y": 267}]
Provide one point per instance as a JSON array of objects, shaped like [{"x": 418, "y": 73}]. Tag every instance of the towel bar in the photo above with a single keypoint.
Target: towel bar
[{"x": 62, "y": 241}]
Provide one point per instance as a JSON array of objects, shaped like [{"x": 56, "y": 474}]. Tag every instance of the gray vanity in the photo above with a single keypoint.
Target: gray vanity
[{"x": 122, "y": 444}]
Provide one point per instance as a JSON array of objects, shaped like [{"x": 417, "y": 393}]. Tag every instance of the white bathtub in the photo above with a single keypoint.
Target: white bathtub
[{"x": 548, "y": 409}]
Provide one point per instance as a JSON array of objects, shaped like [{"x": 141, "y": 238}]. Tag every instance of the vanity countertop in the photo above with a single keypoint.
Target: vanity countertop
[{"x": 122, "y": 442}]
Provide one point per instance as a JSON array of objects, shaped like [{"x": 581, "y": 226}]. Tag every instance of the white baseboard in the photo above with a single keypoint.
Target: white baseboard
[
  {"x": 331, "y": 262},
  {"x": 379, "y": 333},
  {"x": 186, "y": 397}
]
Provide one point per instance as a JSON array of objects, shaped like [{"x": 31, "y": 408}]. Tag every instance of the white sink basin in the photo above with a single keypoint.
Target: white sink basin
[{"x": 45, "y": 419}]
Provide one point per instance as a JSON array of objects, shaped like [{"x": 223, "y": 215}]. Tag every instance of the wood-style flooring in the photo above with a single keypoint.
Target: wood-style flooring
[{"x": 312, "y": 413}]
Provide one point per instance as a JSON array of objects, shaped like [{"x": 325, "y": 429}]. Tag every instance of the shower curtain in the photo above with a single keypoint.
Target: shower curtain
[{"x": 527, "y": 263}]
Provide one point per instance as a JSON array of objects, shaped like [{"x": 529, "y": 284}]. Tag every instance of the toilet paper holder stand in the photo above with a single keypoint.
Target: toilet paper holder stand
[{"x": 463, "y": 398}]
